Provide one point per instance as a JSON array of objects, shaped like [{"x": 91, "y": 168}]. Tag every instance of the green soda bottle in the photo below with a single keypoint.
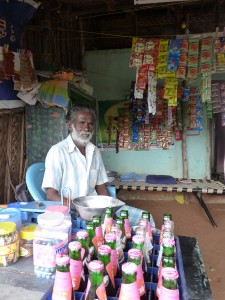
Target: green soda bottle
[
  {"x": 120, "y": 222},
  {"x": 108, "y": 220},
  {"x": 125, "y": 215},
  {"x": 129, "y": 286},
  {"x": 169, "y": 288},
  {"x": 169, "y": 248},
  {"x": 138, "y": 243},
  {"x": 98, "y": 239},
  {"x": 104, "y": 256},
  {"x": 62, "y": 288},
  {"x": 91, "y": 232},
  {"x": 96, "y": 288},
  {"x": 110, "y": 240},
  {"x": 167, "y": 261},
  {"x": 76, "y": 267},
  {"x": 83, "y": 238},
  {"x": 135, "y": 256},
  {"x": 146, "y": 216}
]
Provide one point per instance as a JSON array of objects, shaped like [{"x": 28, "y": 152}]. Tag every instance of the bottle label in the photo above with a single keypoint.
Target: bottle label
[
  {"x": 159, "y": 258},
  {"x": 127, "y": 228},
  {"x": 114, "y": 261},
  {"x": 140, "y": 280},
  {"x": 9, "y": 249},
  {"x": 107, "y": 224},
  {"x": 110, "y": 270},
  {"x": 62, "y": 286},
  {"x": 129, "y": 291},
  {"x": 167, "y": 294},
  {"x": 76, "y": 271},
  {"x": 100, "y": 291},
  {"x": 44, "y": 254}
]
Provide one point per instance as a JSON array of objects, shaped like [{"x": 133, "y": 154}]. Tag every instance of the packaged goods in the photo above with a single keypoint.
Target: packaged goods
[{"x": 9, "y": 244}]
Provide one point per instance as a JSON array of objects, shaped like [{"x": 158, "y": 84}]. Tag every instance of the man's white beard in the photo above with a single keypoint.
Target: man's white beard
[{"x": 82, "y": 137}]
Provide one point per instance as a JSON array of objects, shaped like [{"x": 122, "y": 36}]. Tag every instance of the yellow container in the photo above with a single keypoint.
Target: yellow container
[
  {"x": 26, "y": 240},
  {"x": 9, "y": 244}
]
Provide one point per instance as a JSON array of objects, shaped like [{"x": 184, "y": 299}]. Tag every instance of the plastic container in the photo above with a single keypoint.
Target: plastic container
[
  {"x": 50, "y": 238},
  {"x": 26, "y": 240},
  {"x": 67, "y": 217},
  {"x": 11, "y": 215},
  {"x": 9, "y": 244}
]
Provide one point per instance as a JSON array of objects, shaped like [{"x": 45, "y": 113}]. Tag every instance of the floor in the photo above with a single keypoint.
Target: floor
[{"x": 191, "y": 220}]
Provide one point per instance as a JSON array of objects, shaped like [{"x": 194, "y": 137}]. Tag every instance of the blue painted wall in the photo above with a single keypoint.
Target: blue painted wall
[{"x": 109, "y": 74}]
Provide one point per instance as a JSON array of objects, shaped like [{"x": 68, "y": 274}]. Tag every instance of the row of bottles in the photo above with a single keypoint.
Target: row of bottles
[{"x": 96, "y": 259}]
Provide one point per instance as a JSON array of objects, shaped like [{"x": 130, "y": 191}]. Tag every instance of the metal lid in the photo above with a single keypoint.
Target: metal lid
[
  {"x": 134, "y": 253},
  {"x": 82, "y": 234},
  {"x": 62, "y": 260},
  {"x": 129, "y": 268},
  {"x": 7, "y": 227},
  {"x": 109, "y": 237},
  {"x": 74, "y": 246},
  {"x": 50, "y": 219},
  {"x": 170, "y": 273},
  {"x": 104, "y": 249},
  {"x": 138, "y": 239},
  {"x": 95, "y": 265}
]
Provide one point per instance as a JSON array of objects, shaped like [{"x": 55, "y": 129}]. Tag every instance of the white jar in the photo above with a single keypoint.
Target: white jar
[
  {"x": 67, "y": 217},
  {"x": 50, "y": 238}
]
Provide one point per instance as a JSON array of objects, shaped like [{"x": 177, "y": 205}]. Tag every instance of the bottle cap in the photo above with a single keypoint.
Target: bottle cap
[
  {"x": 7, "y": 227},
  {"x": 95, "y": 265},
  {"x": 58, "y": 208},
  {"x": 170, "y": 273},
  {"x": 27, "y": 232},
  {"x": 104, "y": 249},
  {"x": 134, "y": 253},
  {"x": 74, "y": 246},
  {"x": 138, "y": 239},
  {"x": 82, "y": 234},
  {"x": 109, "y": 237},
  {"x": 62, "y": 260},
  {"x": 50, "y": 219},
  {"x": 129, "y": 268}
]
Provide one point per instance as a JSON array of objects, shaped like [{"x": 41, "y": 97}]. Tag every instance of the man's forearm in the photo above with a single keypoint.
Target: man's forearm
[{"x": 102, "y": 190}]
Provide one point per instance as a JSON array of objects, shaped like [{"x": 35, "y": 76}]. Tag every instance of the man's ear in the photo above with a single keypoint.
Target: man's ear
[{"x": 69, "y": 126}]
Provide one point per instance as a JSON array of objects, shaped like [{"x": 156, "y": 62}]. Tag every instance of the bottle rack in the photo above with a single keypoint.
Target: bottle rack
[{"x": 151, "y": 283}]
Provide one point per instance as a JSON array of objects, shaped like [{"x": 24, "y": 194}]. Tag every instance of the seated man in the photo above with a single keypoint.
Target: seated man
[{"x": 76, "y": 163}]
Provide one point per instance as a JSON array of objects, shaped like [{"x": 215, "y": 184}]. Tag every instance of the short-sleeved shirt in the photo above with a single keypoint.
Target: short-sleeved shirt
[{"x": 66, "y": 167}]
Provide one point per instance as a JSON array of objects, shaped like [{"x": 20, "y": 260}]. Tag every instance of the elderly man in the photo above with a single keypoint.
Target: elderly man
[{"x": 75, "y": 162}]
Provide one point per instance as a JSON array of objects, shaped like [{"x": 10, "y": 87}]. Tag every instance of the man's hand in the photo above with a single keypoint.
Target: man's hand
[
  {"x": 102, "y": 190},
  {"x": 52, "y": 194}
]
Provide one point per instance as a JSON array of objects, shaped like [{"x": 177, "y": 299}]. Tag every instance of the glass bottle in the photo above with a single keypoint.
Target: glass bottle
[
  {"x": 148, "y": 238},
  {"x": 135, "y": 256},
  {"x": 83, "y": 238},
  {"x": 129, "y": 287},
  {"x": 104, "y": 252},
  {"x": 76, "y": 267},
  {"x": 108, "y": 220},
  {"x": 167, "y": 261},
  {"x": 98, "y": 239},
  {"x": 91, "y": 232},
  {"x": 138, "y": 243},
  {"x": 115, "y": 229},
  {"x": 62, "y": 288},
  {"x": 120, "y": 222},
  {"x": 110, "y": 240},
  {"x": 169, "y": 288},
  {"x": 95, "y": 288},
  {"x": 146, "y": 215},
  {"x": 125, "y": 215}
]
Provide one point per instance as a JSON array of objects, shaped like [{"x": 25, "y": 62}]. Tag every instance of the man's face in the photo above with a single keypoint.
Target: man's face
[{"x": 81, "y": 127}]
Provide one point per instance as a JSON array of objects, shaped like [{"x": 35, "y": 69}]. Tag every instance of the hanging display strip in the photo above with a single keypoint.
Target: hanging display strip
[{"x": 180, "y": 56}]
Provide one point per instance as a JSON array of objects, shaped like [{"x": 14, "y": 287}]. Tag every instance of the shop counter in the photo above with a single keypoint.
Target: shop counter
[{"x": 19, "y": 278}]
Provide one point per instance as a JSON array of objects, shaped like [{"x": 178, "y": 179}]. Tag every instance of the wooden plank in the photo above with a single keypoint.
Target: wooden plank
[{"x": 197, "y": 282}]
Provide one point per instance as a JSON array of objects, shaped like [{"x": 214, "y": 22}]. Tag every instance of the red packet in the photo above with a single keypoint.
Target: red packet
[{"x": 110, "y": 270}]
